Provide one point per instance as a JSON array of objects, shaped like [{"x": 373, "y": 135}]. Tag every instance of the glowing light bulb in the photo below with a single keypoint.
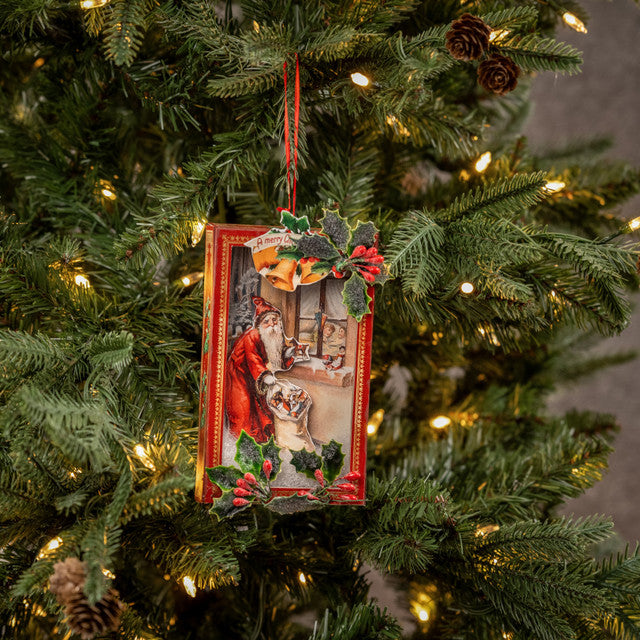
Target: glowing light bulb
[
  {"x": 186, "y": 281},
  {"x": 107, "y": 190},
  {"x": 92, "y": 4},
  {"x": 302, "y": 578},
  {"x": 634, "y": 224},
  {"x": 189, "y": 586},
  {"x": 554, "y": 186},
  {"x": 498, "y": 34},
  {"x": 144, "y": 458},
  {"x": 574, "y": 22},
  {"x": 467, "y": 287},
  {"x": 53, "y": 544},
  {"x": 197, "y": 232},
  {"x": 483, "y": 162},
  {"x": 82, "y": 281},
  {"x": 423, "y": 615},
  {"x": 440, "y": 422},
  {"x": 38, "y": 63},
  {"x": 360, "y": 79},
  {"x": 108, "y": 574},
  {"x": 375, "y": 420},
  {"x": 481, "y": 532}
]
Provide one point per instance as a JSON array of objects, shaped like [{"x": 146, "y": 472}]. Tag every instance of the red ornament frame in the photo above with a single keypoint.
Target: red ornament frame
[{"x": 220, "y": 241}]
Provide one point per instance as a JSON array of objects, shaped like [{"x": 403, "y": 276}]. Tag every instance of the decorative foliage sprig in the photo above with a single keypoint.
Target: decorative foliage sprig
[{"x": 258, "y": 466}]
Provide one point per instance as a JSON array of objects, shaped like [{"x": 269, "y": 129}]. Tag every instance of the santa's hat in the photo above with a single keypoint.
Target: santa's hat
[{"x": 262, "y": 308}]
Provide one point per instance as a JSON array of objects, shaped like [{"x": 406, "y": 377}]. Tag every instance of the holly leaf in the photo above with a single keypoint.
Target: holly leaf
[
  {"x": 332, "y": 460},
  {"x": 290, "y": 252},
  {"x": 294, "y": 224},
  {"x": 223, "y": 506},
  {"x": 248, "y": 454},
  {"x": 271, "y": 451},
  {"x": 355, "y": 296},
  {"x": 322, "y": 267},
  {"x": 224, "y": 477},
  {"x": 317, "y": 246},
  {"x": 336, "y": 227},
  {"x": 306, "y": 462},
  {"x": 364, "y": 234},
  {"x": 291, "y": 504}
]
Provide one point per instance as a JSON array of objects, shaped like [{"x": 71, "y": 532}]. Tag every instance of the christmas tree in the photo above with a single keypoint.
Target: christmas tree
[{"x": 126, "y": 126}]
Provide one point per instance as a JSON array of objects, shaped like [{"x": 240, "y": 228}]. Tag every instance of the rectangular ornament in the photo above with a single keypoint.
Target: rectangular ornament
[{"x": 284, "y": 361}]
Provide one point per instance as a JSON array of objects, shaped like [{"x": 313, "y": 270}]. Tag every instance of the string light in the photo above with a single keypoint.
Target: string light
[
  {"x": 186, "y": 281},
  {"x": 498, "y": 34},
  {"x": 53, "y": 544},
  {"x": 189, "y": 586},
  {"x": 467, "y": 287},
  {"x": 192, "y": 278},
  {"x": 360, "y": 79},
  {"x": 554, "y": 186},
  {"x": 107, "y": 190},
  {"x": 302, "y": 578},
  {"x": 375, "y": 420},
  {"x": 144, "y": 458},
  {"x": 423, "y": 604},
  {"x": 108, "y": 574},
  {"x": 481, "y": 532},
  {"x": 38, "y": 63},
  {"x": 197, "y": 232},
  {"x": 634, "y": 224},
  {"x": 574, "y": 22},
  {"x": 483, "y": 162},
  {"x": 82, "y": 281},
  {"x": 93, "y": 4},
  {"x": 440, "y": 422}
]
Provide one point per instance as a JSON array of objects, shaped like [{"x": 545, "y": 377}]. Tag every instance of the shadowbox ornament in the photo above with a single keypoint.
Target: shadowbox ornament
[{"x": 286, "y": 358}]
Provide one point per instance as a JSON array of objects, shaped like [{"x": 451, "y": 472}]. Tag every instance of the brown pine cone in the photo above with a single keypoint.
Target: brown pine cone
[
  {"x": 68, "y": 578},
  {"x": 88, "y": 621},
  {"x": 468, "y": 37},
  {"x": 498, "y": 74}
]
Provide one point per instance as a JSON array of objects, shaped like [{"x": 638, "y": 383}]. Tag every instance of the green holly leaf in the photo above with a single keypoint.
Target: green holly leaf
[
  {"x": 224, "y": 477},
  {"x": 291, "y": 504},
  {"x": 317, "y": 246},
  {"x": 248, "y": 454},
  {"x": 306, "y": 462},
  {"x": 355, "y": 296},
  {"x": 223, "y": 506},
  {"x": 290, "y": 252},
  {"x": 322, "y": 267},
  {"x": 271, "y": 451},
  {"x": 294, "y": 224},
  {"x": 336, "y": 227},
  {"x": 364, "y": 234},
  {"x": 332, "y": 460}
]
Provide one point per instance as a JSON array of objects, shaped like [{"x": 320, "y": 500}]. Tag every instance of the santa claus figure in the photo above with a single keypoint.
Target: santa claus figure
[{"x": 255, "y": 356}]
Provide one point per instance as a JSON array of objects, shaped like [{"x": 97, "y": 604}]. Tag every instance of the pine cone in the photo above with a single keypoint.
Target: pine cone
[
  {"x": 468, "y": 37},
  {"x": 498, "y": 74},
  {"x": 88, "y": 621},
  {"x": 68, "y": 578}
]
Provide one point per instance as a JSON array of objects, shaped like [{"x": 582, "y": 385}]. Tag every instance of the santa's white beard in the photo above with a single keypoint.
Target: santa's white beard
[{"x": 273, "y": 341}]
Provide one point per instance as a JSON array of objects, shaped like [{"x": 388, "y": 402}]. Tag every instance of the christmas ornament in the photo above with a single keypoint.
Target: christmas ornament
[
  {"x": 84, "y": 619},
  {"x": 498, "y": 74},
  {"x": 468, "y": 37}
]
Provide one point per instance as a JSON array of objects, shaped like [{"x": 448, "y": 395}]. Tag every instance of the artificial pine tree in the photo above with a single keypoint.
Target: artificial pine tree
[{"x": 124, "y": 126}]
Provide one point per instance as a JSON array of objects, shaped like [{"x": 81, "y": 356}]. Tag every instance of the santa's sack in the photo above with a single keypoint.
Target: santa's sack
[{"x": 290, "y": 406}]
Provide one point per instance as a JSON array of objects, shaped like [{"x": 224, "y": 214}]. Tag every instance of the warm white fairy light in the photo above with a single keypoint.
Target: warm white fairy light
[
  {"x": 360, "y": 79},
  {"x": 375, "y": 420},
  {"x": 302, "y": 578},
  {"x": 554, "y": 186},
  {"x": 107, "y": 190},
  {"x": 574, "y": 22},
  {"x": 467, "y": 287},
  {"x": 140, "y": 451},
  {"x": 186, "y": 281},
  {"x": 481, "y": 532},
  {"x": 53, "y": 544},
  {"x": 498, "y": 34},
  {"x": 93, "y": 4},
  {"x": 189, "y": 586},
  {"x": 197, "y": 232},
  {"x": 108, "y": 574},
  {"x": 192, "y": 278},
  {"x": 634, "y": 224},
  {"x": 82, "y": 281},
  {"x": 440, "y": 422},
  {"x": 483, "y": 162}
]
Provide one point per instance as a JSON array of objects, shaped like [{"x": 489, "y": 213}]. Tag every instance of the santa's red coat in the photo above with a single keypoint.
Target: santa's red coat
[{"x": 245, "y": 406}]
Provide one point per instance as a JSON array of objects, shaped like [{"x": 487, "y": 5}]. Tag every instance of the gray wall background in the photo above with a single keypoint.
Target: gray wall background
[{"x": 603, "y": 99}]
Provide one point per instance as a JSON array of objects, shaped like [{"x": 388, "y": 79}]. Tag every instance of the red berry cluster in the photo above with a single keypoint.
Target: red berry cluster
[
  {"x": 365, "y": 261},
  {"x": 249, "y": 487},
  {"x": 346, "y": 488}
]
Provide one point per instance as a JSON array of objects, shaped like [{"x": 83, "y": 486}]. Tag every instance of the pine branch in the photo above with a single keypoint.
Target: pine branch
[{"x": 536, "y": 53}]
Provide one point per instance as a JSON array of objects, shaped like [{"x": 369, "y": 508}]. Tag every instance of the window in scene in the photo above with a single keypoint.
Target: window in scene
[{"x": 321, "y": 318}]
